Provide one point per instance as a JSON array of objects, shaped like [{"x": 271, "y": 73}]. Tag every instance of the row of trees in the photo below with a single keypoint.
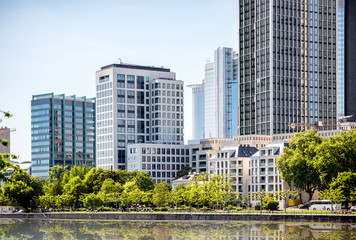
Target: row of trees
[
  {"x": 313, "y": 163},
  {"x": 95, "y": 187}
]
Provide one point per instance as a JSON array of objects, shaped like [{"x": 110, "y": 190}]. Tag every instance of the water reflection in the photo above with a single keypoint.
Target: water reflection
[{"x": 164, "y": 230}]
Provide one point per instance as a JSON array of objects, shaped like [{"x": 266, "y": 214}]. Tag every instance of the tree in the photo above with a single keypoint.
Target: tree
[
  {"x": 161, "y": 194},
  {"x": 336, "y": 155},
  {"x": 270, "y": 203},
  {"x": 286, "y": 194},
  {"x": 75, "y": 189},
  {"x": 92, "y": 201},
  {"x": 110, "y": 192},
  {"x": 91, "y": 180},
  {"x": 23, "y": 190},
  {"x": 47, "y": 201},
  {"x": 184, "y": 171},
  {"x": 297, "y": 163},
  {"x": 342, "y": 189},
  {"x": 178, "y": 195}
]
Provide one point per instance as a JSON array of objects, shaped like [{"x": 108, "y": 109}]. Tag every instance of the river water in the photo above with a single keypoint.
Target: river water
[{"x": 164, "y": 230}]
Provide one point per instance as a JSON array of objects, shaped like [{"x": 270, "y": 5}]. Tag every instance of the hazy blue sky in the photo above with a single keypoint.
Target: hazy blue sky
[{"x": 57, "y": 46}]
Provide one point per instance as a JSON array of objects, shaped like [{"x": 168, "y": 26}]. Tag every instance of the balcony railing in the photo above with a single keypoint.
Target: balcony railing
[
  {"x": 270, "y": 172},
  {"x": 262, "y": 173},
  {"x": 232, "y": 165}
]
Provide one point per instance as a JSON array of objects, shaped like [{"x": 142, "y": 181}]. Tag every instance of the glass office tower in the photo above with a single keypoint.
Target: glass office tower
[
  {"x": 350, "y": 59},
  {"x": 341, "y": 58},
  {"x": 62, "y": 132},
  {"x": 287, "y": 53}
]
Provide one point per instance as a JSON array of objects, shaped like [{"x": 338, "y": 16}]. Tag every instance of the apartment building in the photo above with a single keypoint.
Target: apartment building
[{"x": 161, "y": 161}]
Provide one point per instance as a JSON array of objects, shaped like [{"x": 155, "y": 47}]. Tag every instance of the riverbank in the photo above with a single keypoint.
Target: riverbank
[{"x": 340, "y": 218}]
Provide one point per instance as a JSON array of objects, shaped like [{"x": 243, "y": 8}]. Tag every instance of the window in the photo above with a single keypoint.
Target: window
[
  {"x": 140, "y": 112},
  {"x": 130, "y": 126},
  {"x": 121, "y": 140},
  {"x": 140, "y": 97},
  {"x": 130, "y": 81},
  {"x": 121, "y": 111},
  {"x": 120, "y": 96},
  {"x": 130, "y": 111},
  {"x": 140, "y": 82},
  {"x": 130, "y": 139},
  {"x": 121, "y": 81},
  {"x": 131, "y": 96},
  {"x": 140, "y": 127},
  {"x": 121, "y": 126}
]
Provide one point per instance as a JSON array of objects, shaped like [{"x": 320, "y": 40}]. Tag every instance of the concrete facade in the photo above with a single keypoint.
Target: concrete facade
[
  {"x": 161, "y": 161},
  {"x": 136, "y": 104}
]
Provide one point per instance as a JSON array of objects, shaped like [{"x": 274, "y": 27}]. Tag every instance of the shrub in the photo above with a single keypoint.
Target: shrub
[
  {"x": 205, "y": 208},
  {"x": 270, "y": 204},
  {"x": 105, "y": 209}
]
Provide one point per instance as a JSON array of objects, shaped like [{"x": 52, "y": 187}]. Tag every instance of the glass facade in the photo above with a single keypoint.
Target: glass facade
[
  {"x": 62, "y": 132},
  {"x": 341, "y": 58},
  {"x": 287, "y": 64},
  {"x": 221, "y": 95}
]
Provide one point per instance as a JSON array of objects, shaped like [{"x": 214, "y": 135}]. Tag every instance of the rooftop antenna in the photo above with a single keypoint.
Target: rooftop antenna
[{"x": 120, "y": 60}]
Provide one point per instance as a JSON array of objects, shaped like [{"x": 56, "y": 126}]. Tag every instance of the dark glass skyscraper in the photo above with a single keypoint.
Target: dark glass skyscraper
[
  {"x": 62, "y": 132},
  {"x": 350, "y": 58},
  {"x": 287, "y": 52}
]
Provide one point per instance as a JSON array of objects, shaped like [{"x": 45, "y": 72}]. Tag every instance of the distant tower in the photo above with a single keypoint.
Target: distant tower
[{"x": 198, "y": 110}]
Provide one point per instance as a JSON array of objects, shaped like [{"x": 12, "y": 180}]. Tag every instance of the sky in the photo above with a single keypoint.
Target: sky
[{"x": 57, "y": 46}]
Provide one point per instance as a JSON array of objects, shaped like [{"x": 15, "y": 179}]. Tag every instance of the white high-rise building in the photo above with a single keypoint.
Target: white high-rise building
[{"x": 141, "y": 105}]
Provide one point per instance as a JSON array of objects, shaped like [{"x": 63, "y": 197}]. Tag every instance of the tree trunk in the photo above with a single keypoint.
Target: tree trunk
[{"x": 310, "y": 193}]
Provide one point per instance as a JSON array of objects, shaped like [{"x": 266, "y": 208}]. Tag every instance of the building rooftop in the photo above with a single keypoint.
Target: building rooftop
[
  {"x": 138, "y": 67},
  {"x": 61, "y": 96}
]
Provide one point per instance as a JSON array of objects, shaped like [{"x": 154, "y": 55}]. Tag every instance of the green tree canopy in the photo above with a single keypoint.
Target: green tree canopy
[
  {"x": 342, "y": 189},
  {"x": 297, "y": 163},
  {"x": 161, "y": 194},
  {"x": 23, "y": 190},
  {"x": 184, "y": 171},
  {"x": 336, "y": 155}
]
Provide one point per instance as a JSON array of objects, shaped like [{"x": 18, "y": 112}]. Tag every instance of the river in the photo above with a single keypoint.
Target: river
[{"x": 175, "y": 230}]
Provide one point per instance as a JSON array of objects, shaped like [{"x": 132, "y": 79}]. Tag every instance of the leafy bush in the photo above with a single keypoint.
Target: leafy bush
[
  {"x": 162, "y": 209},
  {"x": 205, "y": 208},
  {"x": 270, "y": 204},
  {"x": 81, "y": 209},
  {"x": 105, "y": 209}
]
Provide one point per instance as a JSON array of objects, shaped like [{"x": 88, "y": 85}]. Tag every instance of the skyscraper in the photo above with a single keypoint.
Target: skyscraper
[
  {"x": 220, "y": 88},
  {"x": 62, "y": 132},
  {"x": 350, "y": 59},
  {"x": 341, "y": 58},
  {"x": 287, "y": 53},
  {"x": 198, "y": 111},
  {"x": 136, "y": 104},
  {"x": 220, "y": 93}
]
